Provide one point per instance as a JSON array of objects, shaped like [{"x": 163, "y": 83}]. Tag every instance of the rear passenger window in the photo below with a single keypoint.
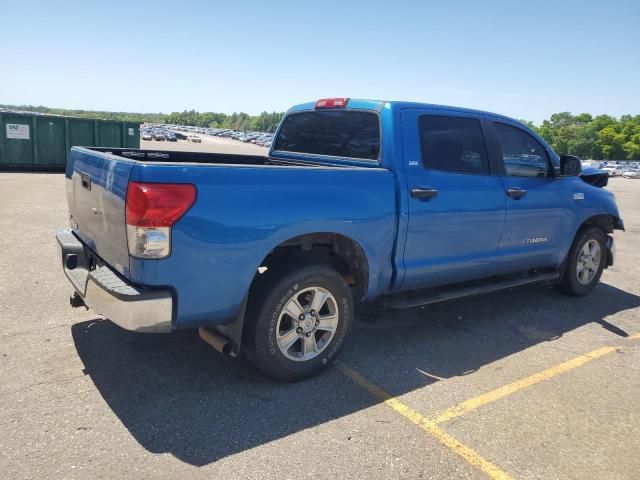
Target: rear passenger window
[
  {"x": 453, "y": 144},
  {"x": 523, "y": 155}
]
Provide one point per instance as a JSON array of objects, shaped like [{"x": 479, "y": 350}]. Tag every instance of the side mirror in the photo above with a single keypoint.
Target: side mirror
[{"x": 570, "y": 166}]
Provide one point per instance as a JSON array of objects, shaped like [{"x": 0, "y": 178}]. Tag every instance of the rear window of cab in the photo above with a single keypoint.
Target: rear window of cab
[{"x": 343, "y": 133}]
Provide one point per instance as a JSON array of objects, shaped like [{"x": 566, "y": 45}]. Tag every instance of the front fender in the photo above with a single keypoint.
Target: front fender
[
  {"x": 593, "y": 205},
  {"x": 596, "y": 201}
]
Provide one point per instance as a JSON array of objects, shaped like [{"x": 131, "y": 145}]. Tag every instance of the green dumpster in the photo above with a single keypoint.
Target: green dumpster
[
  {"x": 42, "y": 142},
  {"x": 81, "y": 132},
  {"x": 50, "y": 146},
  {"x": 16, "y": 147}
]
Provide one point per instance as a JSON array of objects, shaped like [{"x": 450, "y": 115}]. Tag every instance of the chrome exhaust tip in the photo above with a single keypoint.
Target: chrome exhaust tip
[{"x": 218, "y": 342}]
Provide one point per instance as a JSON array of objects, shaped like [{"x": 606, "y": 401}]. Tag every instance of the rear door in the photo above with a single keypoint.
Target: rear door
[
  {"x": 539, "y": 218},
  {"x": 96, "y": 193},
  {"x": 456, "y": 206}
]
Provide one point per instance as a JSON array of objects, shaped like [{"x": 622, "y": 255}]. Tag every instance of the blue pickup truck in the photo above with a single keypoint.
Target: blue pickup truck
[{"x": 357, "y": 200}]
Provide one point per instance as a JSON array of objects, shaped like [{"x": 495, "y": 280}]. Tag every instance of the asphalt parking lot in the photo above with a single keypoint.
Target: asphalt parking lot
[{"x": 525, "y": 383}]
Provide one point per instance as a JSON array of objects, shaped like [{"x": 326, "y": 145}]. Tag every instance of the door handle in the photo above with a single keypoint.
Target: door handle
[
  {"x": 516, "y": 193},
  {"x": 424, "y": 193}
]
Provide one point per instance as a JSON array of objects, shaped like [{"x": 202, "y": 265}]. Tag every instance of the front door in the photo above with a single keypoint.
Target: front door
[
  {"x": 539, "y": 218},
  {"x": 456, "y": 206}
]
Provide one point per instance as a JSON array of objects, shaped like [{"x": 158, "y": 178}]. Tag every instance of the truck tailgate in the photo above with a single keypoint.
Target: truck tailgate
[{"x": 96, "y": 191}]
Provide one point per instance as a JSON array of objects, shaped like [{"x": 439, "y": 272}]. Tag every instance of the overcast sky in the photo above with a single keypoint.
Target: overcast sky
[{"x": 521, "y": 58}]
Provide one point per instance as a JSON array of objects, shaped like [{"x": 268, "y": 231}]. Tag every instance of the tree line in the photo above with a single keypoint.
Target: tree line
[
  {"x": 602, "y": 137},
  {"x": 265, "y": 122},
  {"x": 92, "y": 114},
  {"x": 596, "y": 138}
]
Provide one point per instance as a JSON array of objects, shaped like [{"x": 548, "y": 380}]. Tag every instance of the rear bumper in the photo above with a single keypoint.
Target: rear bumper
[{"x": 129, "y": 306}]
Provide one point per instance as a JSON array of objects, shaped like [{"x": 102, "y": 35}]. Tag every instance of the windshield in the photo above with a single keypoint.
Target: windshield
[{"x": 343, "y": 133}]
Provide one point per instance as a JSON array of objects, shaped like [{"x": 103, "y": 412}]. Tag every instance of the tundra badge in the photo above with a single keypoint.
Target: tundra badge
[{"x": 536, "y": 240}]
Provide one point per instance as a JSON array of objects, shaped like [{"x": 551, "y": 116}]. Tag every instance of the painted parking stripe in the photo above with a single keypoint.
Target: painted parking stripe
[
  {"x": 427, "y": 425},
  {"x": 489, "y": 397}
]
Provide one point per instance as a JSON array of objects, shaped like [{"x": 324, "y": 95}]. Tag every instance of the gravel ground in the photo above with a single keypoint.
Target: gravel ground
[{"x": 82, "y": 398}]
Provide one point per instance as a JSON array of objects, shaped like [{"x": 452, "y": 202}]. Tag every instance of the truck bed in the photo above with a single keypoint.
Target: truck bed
[
  {"x": 247, "y": 205},
  {"x": 172, "y": 156},
  {"x": 183, "y": 157}
]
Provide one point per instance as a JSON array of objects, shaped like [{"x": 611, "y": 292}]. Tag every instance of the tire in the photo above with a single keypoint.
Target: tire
[
  {"x": 581, "y": 274},
  {"x": 270, "y": 324}
]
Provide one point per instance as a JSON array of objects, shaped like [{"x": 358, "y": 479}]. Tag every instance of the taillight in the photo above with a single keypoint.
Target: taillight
[
  {"x": 158, "y": 204},
  {"x": 151, "y": 210},
  {"x": 332, "y": 103}
]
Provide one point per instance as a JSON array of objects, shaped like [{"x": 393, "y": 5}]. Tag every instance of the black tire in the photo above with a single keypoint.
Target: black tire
[
  {"x": 270, "y": 294},
  {"x": 570, "y": 283}
]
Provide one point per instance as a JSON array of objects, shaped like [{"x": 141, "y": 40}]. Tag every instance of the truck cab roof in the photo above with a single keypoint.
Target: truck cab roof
[{"x": 368, "y": 104}]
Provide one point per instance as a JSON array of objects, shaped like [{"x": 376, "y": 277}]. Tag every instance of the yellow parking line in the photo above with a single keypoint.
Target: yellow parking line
[
  {"x": 427, "y": 425},
  {"x": 635, "y": 336},
  {"x": 501, "y": 392}
]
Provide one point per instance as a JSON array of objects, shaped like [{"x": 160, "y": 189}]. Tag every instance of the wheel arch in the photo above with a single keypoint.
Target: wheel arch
[
  {"x": 337, "y": 250},
  {"x": 604, "y": 221}
]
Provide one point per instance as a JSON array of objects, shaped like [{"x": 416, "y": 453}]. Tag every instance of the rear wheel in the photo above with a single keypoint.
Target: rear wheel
[
  {"x": 297, "y": 321},
  {"x": 585, "y": 262}
]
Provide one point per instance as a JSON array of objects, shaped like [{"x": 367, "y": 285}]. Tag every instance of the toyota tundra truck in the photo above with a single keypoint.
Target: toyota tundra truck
[{"x": 357, "y": 200}]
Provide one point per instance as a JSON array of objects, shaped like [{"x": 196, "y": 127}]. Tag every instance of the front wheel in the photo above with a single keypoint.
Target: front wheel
[
  {"x": 297, "y": 321},
  {"x": 585, "y": 262}
]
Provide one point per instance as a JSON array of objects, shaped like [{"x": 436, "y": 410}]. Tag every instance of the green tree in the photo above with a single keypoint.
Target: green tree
[
  {"x": 631, "y": 150},
  {"x": 600, "y": 137},
  {"x": 611, "y": 143}
]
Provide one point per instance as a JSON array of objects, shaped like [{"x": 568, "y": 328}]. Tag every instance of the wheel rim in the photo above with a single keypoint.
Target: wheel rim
[
  {"x": 588, "y": 262},
  {"x": 307, "y": 324}
]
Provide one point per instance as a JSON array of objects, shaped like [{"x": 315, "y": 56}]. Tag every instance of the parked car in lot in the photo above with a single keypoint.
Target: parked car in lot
[
  {"x": 271, "y": 253},
  {"x": 194, "y": 139},
  {"x": 591, "y": 164},
  {"x": 262, "y": 140},
  {"x": 613, "y": 170},
  {"x": 146, "y": 136},
  {"x": 159, "y": 137},
  {"x": 631, "y": 173}
]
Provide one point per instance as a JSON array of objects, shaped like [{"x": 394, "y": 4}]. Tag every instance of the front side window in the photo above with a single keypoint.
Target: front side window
[
  {"x": 338, "y": 133},
  {"x": 453, "y": 144},
  {"x": 523, "y": 155}
]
